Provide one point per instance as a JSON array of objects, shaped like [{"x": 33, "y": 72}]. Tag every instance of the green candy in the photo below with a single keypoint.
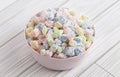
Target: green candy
[
  {"x": 57, "y": 32},
  {"x": 50, "y": 42},
  {"x": 83, "y": 39},
  {"x": 90, "y": 39},
  {"x": 44, "y": 30},
  {"x": 59, "y": 49},
  {"x": 42, "y": 52}
]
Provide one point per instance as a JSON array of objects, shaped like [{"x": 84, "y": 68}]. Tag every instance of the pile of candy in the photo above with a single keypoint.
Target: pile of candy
[{"x": 59, "y": 33}]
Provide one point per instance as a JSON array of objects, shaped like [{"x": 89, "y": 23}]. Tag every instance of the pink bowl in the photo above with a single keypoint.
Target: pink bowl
[{"x": 57, "y": 64}]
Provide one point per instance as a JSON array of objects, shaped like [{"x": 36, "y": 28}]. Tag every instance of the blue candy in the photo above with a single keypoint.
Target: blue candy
[
  {"x": 50, "y": 16},
  {"x": 77, "y": 51},
  {"x": 62, "y": 20},
  {"x": 40, "y": 26},
  {"x": 69, "y": 51},
  {"x": 58, "y": 42},
  {"x": 63, "y": 38},
  {"x": 45, "y": 46},
  {"x": 86, "y": 25},
  {"x": 78, "y": 40}
]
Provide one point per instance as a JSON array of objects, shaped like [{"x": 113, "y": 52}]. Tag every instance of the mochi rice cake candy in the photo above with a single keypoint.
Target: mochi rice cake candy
[{"x": 59, "y": 33}]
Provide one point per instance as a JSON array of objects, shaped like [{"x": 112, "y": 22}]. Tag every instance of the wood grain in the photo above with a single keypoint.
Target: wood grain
[
  {"x": 95, "y": 71},
  {"x": 5, "y": 3},
  {"x": 111, "y": 61}
]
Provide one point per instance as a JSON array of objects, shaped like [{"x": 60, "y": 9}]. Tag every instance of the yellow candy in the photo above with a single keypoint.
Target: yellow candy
[
  {"x": 28, "y": 32},
  {"x": 72, "y": 43},
  {"x": 90, "y": 39},
  {"x": 34, "y": 45},
  {"x": 79, "y": 31},
  {"x": 72, "y": 12},
  {"x": 44, "y": 30},
  {"x": 31, "y": 24},
  {"x": 42, "y": 52},
  {"x": 58, "y": 25}
]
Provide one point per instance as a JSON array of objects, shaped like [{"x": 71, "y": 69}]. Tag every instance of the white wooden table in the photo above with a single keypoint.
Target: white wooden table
[{"x": 102, "y": 60}]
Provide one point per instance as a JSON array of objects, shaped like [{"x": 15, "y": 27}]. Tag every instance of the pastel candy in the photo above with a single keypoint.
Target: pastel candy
[
  {"x": 34, "y": 45},
  {"x": 83, "y": 39},
  {"x": 36, "y": 32},
  {"x": 58, "y": 42},
  {"x": 78, "y": 39},
  {"x": 59, "y": 49},
  {"x": 40, "y": 26},
  {"x": 50, "y": 42},
  {"x": 77, "y": 51},
  {"x": 28, "y": 31},
  {"x": 60, "y": 56},
  {"x": 42, "y": 52},
  {"x": 44, "y": 30},
  {"x": 79, "y": 31},
  {"x": 57, "y": 32},
  {"x": 31, "y": 24},
  {"x": 50, "y": 16},
  {"x": 45, "y": 46},
  {"x": 49, "y": 23},
  {"x": 69, "y": 51},
  {"x": 63, "y": 38},
  {"x": 48, "y": 53},
  {"x": 72, "y": 43},
  {"x": 62, "y": 20},
  {"x": 58, "y": 25},
  {"x": 60, "y": 33},
  {"x": 53, "y": 48},
  {"x": 86, "y": 25},
  {"x": 72, "y": 12}
]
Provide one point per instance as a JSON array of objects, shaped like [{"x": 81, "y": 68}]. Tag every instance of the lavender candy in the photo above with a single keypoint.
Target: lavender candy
[
  {"x": 53, "y": 48},
  {"x": 62, "y": 20},
  {"x": 58, "y": 42},
  {"x": 77, "y": 51},
  {"x": 49, "y": 16},
  {"x": 78, "y": 39},
  {"x": 45, "y": 46},
  {"x": 40, "y": 26},
  {"x": 86, "y": 24},
  {"x": 69, "y": 51}
]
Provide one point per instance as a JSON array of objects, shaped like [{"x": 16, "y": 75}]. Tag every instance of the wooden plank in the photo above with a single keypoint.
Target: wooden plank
[
  {"x": 18, "y": 25},
  {"x": 12, "y": 10},
  {"x": 14, "y": 56},
  {"x": 5, "y": 3},
  {"x": 111, "y": 61},
  {"x": 15, "y": 25},
  {"x": 95, "y": 71}
]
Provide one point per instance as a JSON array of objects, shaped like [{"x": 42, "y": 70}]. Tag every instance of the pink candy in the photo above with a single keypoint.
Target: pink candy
[
  {"x": 60, "y": 56},
  {"x": 49, "y": 23}
]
